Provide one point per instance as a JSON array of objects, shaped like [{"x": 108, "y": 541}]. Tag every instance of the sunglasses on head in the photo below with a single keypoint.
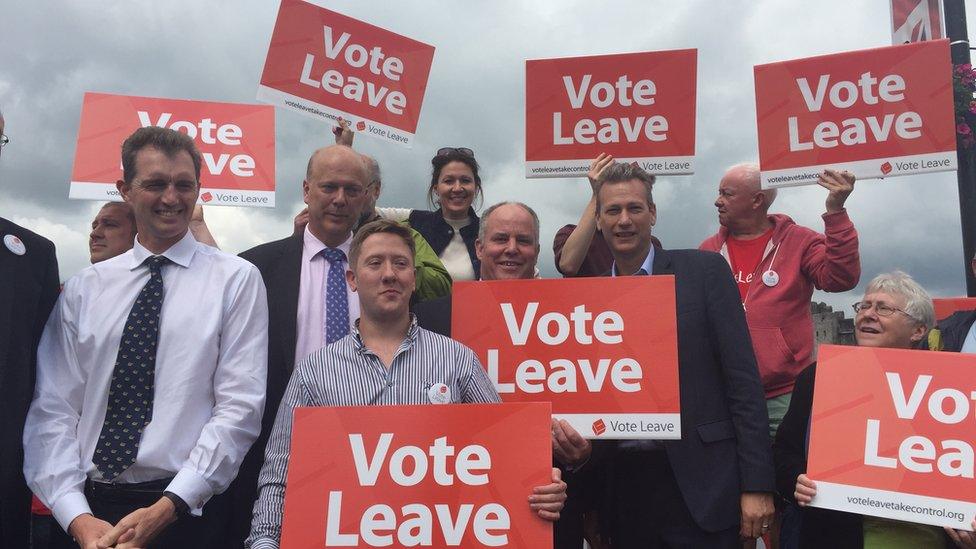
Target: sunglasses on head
[{"x": 463, "y": 151}]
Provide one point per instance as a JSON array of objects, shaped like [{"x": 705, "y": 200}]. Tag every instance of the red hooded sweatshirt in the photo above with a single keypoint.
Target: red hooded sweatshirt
[{"x": 779, "y": 316}]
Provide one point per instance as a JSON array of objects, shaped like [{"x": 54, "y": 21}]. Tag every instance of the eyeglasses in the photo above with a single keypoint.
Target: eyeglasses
[
  {"x": 4, "y": 140},
  {"x": 880, "y": 308},
  {"x": 463, "y": 151}
]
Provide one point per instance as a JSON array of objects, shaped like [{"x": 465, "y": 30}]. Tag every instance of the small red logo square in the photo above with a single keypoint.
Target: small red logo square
[
  {"x": 886, "y": 168},
  {"x": 599, "y": 427},
  {"x": 361, "y": 126},
  {"x": 206, "y": 197}
]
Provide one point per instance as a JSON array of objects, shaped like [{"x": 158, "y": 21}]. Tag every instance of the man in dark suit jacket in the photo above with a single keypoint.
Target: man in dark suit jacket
[
  {"x": 28, "y": 290},
  {"x": 335, "y": 191},
  {"x": 29, "y": 271},
  {"x": 716, "y": 483}
]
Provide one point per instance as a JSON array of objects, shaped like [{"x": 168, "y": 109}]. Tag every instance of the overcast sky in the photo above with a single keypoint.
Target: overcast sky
[{"x": 55, "y": 51}]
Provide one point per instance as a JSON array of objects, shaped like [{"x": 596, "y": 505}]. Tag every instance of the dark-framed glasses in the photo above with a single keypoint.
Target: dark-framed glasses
[
  {"x": 880, "y": 308},
  {"x": 463, "y": 151},
  {"x": 4, "y": 140}
]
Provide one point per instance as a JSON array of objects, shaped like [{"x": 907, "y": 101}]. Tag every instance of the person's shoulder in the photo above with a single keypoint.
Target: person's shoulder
[
  {"x": 268, "y": 249},
  {"x": 106, "y": 272},
  {"x": 441, "y": 344},
  {"x": 27, "y": 236},
  {"x": 784, "y": 225}
]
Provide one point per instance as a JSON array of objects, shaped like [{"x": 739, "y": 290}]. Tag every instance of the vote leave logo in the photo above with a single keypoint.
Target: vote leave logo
[
  {"x": 872, "y": 112},
  {"x": 206, "y": 197},
  {"x": 590, "y": 346},
  {"x": 327, "y": 65},
  {"x": 236, "y": 144},
  {"x": 408, "y": 476},
  {"x": 895, "y": 422}
]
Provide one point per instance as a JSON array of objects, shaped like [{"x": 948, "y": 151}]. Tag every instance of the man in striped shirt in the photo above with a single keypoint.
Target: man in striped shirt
[{"x": 386, "y": 360}]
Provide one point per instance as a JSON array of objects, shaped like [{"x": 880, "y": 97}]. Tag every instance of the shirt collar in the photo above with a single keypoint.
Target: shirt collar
[
  {"x": 314, "y": 246},
  {"x": 180, "y": 253},
  {"x": 408, "y": 341},
  {"x": 647, "y": 266}
]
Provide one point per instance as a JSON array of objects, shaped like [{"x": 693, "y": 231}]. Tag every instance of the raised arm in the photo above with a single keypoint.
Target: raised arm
[{"x": 571, "y": 253}]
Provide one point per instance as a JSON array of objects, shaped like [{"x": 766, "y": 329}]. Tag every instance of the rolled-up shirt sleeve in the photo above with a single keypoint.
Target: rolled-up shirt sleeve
[{"x": 240, "y": 383}]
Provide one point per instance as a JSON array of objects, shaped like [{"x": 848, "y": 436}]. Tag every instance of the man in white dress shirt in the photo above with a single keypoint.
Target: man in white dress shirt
[{"x": 151, "y": 370}]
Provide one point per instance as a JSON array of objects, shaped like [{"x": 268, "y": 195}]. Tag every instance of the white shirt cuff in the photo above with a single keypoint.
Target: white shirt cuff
[
  {"x": 69, "y": 507},
  {"x": 192, "y": 488}
]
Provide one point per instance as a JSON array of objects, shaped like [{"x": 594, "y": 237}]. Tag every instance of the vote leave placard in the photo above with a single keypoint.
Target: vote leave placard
[
  {"x": 639, "y": 107},
  {"x": 603, "y": 351},
  {"x": 893, "y": 432},
  {"x": 945, "y": 306},
  {"x": 327, "y": 65},
  {"x": 877, "y": 113},
  {"x": 407, "y": 476},
  {"x": 236, "y": 141}
]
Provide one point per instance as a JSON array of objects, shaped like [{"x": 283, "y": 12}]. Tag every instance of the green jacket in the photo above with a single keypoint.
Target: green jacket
[{"x": 433, "y": 279}]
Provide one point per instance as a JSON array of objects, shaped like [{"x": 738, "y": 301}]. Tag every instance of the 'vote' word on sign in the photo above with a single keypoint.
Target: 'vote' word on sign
[
  {"x": 327, "y": 65},
  {"x": 895, "y": 425},
  {"x": 876, "y": 113},
  {"x": 636, "y": 106},
  {"x": 417, "y": 476},
  {"x": 594, "y": 348},
  {"x": 236, "y": 144}
]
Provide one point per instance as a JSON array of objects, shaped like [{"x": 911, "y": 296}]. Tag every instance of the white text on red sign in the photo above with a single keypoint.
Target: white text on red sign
[
  {"x": 241, "y": 165},
  {"x": 949, "y": 406},
  {"x": 601, "y": 95},
  {"x": 561, "y": 375},
  {"x": 845, "y": 94},
  {"x": 415, "y": 524},
  {"x": 352, "y": 87}
]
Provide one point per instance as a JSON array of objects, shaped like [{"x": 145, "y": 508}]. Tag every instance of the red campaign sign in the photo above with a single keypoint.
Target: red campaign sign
[
  {"x": 236, "y": 142},
  {"x": 603, "y": 351},
  {"x": 327, "y": 65},
  {"x": 892, "y": 434},
  {"x": 944, "y": 307},
  {"x": 403, "y": 476},
  {"x": 638, "y": 107},
  {"x": 878, "y": 113}
]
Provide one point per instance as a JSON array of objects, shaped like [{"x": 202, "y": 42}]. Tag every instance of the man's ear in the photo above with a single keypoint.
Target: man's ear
[
  {"x": 305, "y": 191},
  {"x": 351, "y": 279},
  {"x": 123, "y": 189},
  {"x": 478, "y": 249}
]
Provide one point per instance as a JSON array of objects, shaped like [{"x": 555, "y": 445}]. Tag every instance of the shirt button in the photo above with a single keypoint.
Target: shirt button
[{"x": 389, "y": 383}]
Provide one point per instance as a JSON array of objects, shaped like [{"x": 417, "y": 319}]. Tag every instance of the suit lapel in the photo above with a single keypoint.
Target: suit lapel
[
  {"x": 662, "y": 263},
  {"x": 285, "y": 309}
]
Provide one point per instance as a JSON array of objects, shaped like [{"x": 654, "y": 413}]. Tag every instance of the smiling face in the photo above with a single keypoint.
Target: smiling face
[
  {"x": 455, "y": 189},
  {"x": 897, "y": 330},
  {"x": 383, "y": 277},
  {"x": 625, "y": 218},
  {"x": 162, "y": 194},
  {"x": 113, "y": 231},
  {"x": 510, "y": 247},
  {"x": 335, "y": 191}
]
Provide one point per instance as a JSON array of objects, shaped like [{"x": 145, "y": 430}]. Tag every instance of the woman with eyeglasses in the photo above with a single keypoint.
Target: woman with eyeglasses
[
  {"x": 452, "y": 227},
  {"x": 895, "y": 313}
]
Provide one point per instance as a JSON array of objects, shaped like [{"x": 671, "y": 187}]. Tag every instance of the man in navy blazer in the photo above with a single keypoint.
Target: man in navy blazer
[{"x": 715, "y": 485}]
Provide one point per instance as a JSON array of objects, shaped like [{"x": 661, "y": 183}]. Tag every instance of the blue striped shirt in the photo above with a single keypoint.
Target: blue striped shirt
[{"x": 347, "y": 373}]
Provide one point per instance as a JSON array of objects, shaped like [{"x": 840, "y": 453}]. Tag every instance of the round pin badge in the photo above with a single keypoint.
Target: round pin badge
[
  {"x": 14, "y": 244},
  {"x": 770, "y": 278},
  {"x": 439, "y": 394}
]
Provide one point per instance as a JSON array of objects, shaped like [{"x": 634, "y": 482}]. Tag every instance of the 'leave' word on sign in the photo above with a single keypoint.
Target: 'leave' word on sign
[
  {"x": 327, "y": 65},
  {"x": 423, "y": 478},
  {"x": 876, "y": 113},
  {"x": 592, "y": 347},
  {"x": 638, "y": 107},
  {"x": 892, "y": 433},
  {"x": 236, "y": 144}
]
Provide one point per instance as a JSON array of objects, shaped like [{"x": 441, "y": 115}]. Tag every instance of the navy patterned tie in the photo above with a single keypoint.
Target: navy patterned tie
[
  {"x": 336, "y": 300},
  {"x": 130, "y": 396}
]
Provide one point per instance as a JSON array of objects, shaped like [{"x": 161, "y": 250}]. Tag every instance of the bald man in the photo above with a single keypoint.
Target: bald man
[
  {"x": 310, "y": 303},
  {"x": 777, "y": 264}
]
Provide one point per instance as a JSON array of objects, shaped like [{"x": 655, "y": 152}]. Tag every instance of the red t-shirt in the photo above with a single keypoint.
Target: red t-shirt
[{"x": 744, "y": 256}]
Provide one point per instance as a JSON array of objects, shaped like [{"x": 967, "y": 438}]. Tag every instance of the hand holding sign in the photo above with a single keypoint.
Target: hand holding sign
[{"x": 840, "y": 185}]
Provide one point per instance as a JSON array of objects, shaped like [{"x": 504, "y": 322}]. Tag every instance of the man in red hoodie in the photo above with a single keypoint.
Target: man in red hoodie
[{"x": 777, "y": 264}]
